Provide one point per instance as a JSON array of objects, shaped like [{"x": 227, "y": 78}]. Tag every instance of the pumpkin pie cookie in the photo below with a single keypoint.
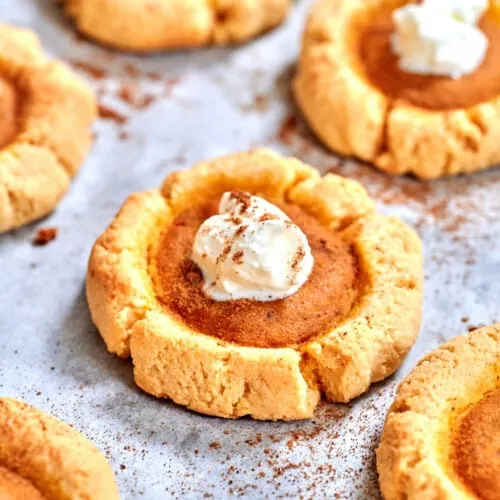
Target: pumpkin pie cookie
[
  {"x": 359, "y": 102},
  {"x": 42, "y": 458},
  {"x": 348, "y": 325},
  {"x": 442, "y": 435},
  {"x": 150, "y": 25},
  {"x": 45, "y": 114}
]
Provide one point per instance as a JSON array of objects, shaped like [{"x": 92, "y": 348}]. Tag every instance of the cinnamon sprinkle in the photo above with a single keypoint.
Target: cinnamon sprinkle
[
  {"x": 225, "y": 252},
  {"x": 238, "y": 257},
  {"x": 268, "y": 216},
  {"x": 130, "y": 93},
  {"x": 107, "y": 113},
  {"x": 240, "y": 230},
  {"x": 243, "y": 198},
  {"x": 45, "y": 235},
  {"x": 95, "y": 72},
  {"x": 235, "y": 220},
  {"x": 298, "y": 258}
]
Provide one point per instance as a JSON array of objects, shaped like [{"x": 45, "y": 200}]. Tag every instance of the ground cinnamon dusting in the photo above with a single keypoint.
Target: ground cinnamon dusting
[
  {"x": 133, "y": 96},
  {"x": 325, "y": 299},
  {"x": 301, "y": 254},
  {"x": 225, "y": 252},
  {"x": 476, "y": 447},
  {"x": 127, "y": 92},
  {"x": 235, "y": 220},
  {"x": 96, "y": 72},
  {"x": 107, "y": 113},
  {"x": 170, "y": 85},
  {"x": 451, "y": 205},
  {"x": 238, "y": 257},
  {"x": 45, "y": 235},
  {"x": 303, "y": 460},
  {"x": 132, "y": 70},
  {"x": 244, "y": 199},
  {"x": 240, "y": 230},
  {"x": 287, "y": 130},
  {"x": 380, "y": 65},
  {"x": 265, "y": 217}
]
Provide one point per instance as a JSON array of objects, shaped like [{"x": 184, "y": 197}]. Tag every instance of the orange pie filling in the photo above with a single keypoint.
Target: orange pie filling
[
  {"x": 324, "y": 301},
  {"x": 15, "y": 487},
  {"x": 370, "y": 33},
  {"x": 475, "y": 450},
  {"x": 9, "y": 111}
]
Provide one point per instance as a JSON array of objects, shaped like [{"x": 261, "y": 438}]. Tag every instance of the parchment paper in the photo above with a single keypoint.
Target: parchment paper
[{"x": 169, "y": 111}]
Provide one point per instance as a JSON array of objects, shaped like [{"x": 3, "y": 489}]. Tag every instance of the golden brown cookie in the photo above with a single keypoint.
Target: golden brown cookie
[
  {"x": 359, "y": 103},
  {"x": 45, "y": 115},
  {"x": 442, "y": 434},
  {"x": 350, "y": 325},
  {"x": 41, "y": 458},
  {"x": 149, "y": 25}
]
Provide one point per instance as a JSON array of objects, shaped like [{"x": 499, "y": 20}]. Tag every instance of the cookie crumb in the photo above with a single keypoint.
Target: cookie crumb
[{"x": 45, "y": 235}]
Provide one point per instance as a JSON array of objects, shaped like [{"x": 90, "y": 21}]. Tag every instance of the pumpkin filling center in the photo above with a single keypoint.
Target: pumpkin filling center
[
  {"x": 371, "y": 34},
  {"x": 475, "y": 448},
  {"x": 324, "y": 301}
]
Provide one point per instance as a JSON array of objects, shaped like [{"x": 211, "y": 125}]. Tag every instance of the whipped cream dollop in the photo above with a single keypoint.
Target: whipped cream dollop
[
  {"x": 465, "y": 11},
  {"x": 251, "y": 250},
  {"x": 440, "y": 37}
]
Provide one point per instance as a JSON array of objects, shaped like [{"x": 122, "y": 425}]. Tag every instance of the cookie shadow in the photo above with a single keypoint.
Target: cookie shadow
[
  {"x": 85, "y": 357},
  {"x": 155, "y": 427}
]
